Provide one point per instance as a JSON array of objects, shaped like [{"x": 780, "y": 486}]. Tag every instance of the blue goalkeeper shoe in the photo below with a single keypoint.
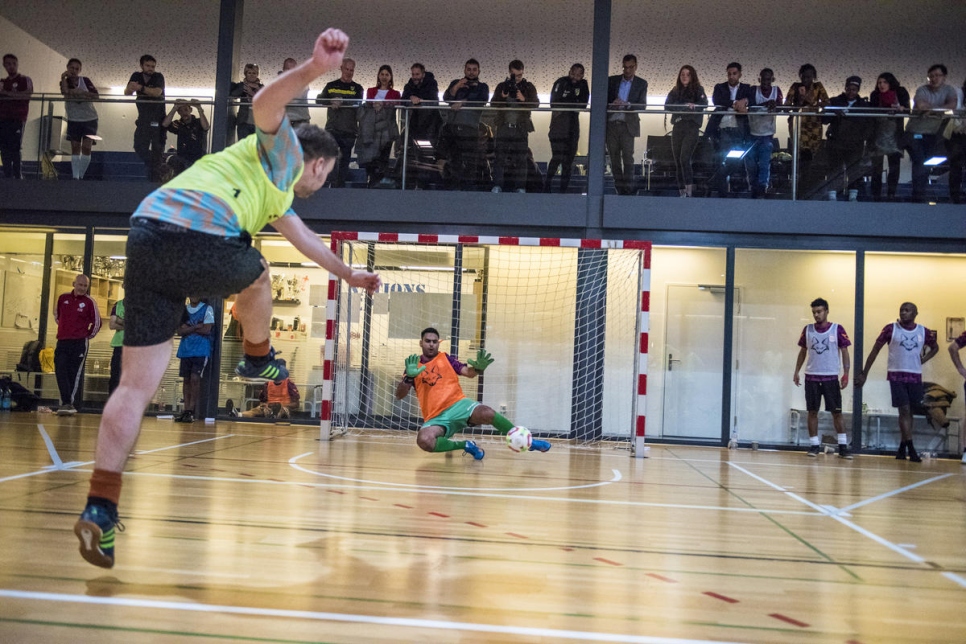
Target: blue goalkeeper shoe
[
  {"x": 272, "y": 370},
  {"x": 95, "y": 529},
  {"x": 539, "y": 445},
  {"x": 474, "y": 450}
]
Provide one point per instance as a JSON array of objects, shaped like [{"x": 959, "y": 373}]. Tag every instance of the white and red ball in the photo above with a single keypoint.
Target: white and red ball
[{"x": 519, "y": 439}]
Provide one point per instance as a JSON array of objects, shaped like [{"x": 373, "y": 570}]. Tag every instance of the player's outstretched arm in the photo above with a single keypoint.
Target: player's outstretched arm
[
  {"x": 308, "y": 243},
  {"x": 268, "y": 105}
]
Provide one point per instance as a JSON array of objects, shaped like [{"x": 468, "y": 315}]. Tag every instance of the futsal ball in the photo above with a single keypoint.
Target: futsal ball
[{"x": 518, "y": 439}]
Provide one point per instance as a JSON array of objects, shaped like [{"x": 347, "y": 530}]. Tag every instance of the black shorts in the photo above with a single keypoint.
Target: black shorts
[
  {"x": 166, "y": 264},
  {"x": 816, "y": 390},
  {"x": 193, "y": 365},
  {"x": 77, "y": 130},
  {"x": 906, "y": 393}
]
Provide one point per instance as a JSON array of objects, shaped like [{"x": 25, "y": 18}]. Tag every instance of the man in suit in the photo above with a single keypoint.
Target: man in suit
[
  {"x": 625, "y": 92},
  {"x": 728, "y": 127}
]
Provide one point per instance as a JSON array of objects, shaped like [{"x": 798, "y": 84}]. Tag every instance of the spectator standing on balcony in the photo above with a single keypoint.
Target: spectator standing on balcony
[
  {"x": 626, "y": 93},
  {"x": 15, "y": 92},
  {"x": 378, "y": 130},
  {"x": 81, "y": 116},
  {"x": 343, "y": 96},
  {"x": 191, "y": 130},
  {"x": 911, "y": 345},
  {"x": 570, "y": 91},
  {"x": 422, "y": 92},
  {"x": 765, "y": 97},
  {"x": 513, "y": 127},
  {"x": 463, "y": 126},
  {"x": 807, "y": 95},
  {"x": 298, "y": 110},
  {"x": 728, "y": 128},
  {"x": 847, "y": 135},
  {"x": 956, "y": 150},
  {"x": 887, "y": 133},
  {"x": 688, "y": 101},
  {"x": 78, "y": 321},
  {"x": 924, "y": 130},
  {"x": 149, "y": 137},
  {"x": 245, "y": 91}
]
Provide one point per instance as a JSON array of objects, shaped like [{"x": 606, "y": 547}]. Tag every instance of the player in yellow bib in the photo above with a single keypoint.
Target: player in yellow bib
[
  {"x": 435, "y": 376},
  {"x": 192, "y": 237}
]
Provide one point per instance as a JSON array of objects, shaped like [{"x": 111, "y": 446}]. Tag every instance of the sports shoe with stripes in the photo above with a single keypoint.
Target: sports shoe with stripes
[
  {"x": 272, "y": 370},
  {"x": 95, "y": 529}
]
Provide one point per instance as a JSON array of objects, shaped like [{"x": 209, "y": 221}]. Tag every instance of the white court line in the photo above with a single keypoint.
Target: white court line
[
  {"x": 161, "y": 449},
  {"x": 435, "y": 624},
  {"x": 866, "y": 533},
  {"x": 636, "y": 504},
  {"x": 893, "y": 492},
  {"x": 47, "y": 470},
  {"x": 292, "y": 461},
  {"x": 54, "y": 456}
]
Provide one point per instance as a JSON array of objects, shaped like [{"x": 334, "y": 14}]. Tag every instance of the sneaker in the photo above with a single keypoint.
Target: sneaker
[
  {"x": 539, "y": 445},
  {"x": 914, "y": 455},
  {"x": 814, "y": 450},
  {"x": 186, "y": 417},
  {"x": 901, "y": 452},
  {"x": 474, "y": 450},
  {"x": 95, "y": 529},
  {"x": 844, "y": 452},
  {"x": 274, "y": 370},
  {"x": 66, "y": 410}
]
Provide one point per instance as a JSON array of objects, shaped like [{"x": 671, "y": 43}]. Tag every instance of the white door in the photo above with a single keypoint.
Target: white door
[{"x": 693, "y": 354}]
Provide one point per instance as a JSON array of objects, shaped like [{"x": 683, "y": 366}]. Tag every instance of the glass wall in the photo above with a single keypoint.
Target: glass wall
[
  {"x": 933, "y": 283},
  {"x": 21, "y": 285},
  {"x": 774, "y": 290},
  {"x": 685, "y": 350}
]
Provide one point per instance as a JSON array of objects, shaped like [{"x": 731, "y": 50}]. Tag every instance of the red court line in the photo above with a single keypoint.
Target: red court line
[
  {"x": 439, "y": 514},
  {"x": 793, "y": 622},
  {"x": 518, "y": 536},
  {"x": 474, "y": 523},
  {"x": 607, "y": 561},
  {"x": 567, "y": 549},
  {"x": 368, "y": 498},
  {"x": 661, "y": 577},
  {"x": 400, "y": 505},
  {"x": 188, "y": 465},
  {"x": 335, "y": 491},
  {"x": 244, "y": 474},
  {"x": 730, "y": 600}
]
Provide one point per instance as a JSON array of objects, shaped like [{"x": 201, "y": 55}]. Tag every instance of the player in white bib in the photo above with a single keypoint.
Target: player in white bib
[
  {"x": 911, "y": 345},
  {"x": 825, "y": 354}
]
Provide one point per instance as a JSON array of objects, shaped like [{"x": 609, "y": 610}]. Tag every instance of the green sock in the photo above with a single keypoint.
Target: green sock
[
  {"x": 502, "y": 423},
  {"x": 444, "y": 444}
]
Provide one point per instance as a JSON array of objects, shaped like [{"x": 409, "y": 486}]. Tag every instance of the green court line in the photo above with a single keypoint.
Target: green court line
[{"x": 767, "y": 516}]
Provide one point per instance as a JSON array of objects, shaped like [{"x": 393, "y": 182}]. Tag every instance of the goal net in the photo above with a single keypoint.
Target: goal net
[{"x": 565, "y": 321}]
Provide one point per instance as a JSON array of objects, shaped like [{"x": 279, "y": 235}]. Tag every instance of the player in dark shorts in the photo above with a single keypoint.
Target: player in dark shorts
[{"x": 192, "y": 237}]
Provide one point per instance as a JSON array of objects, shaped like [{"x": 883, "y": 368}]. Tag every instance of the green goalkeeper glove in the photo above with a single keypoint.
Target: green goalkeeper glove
[
  {"x": 483, "y": 360},
  {"x": 412, "y": 366}
]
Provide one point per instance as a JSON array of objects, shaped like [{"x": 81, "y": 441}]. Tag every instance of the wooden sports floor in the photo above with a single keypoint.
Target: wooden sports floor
[{"x": 262, "y": 533}]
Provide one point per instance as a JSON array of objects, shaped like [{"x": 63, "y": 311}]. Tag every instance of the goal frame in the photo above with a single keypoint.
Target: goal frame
[{"x": 338, "y": 238}]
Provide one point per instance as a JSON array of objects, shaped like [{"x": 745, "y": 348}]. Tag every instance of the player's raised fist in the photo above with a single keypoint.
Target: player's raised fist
[{"x": 330, "y": 48}]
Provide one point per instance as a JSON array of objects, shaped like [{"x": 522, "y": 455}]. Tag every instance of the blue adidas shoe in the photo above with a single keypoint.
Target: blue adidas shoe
[
  {"x": 274, "y": 370},
  {"x": 474, "y": 450},
  {"x": 95, "y": 529},
  {"x": 539, "y": 445}
]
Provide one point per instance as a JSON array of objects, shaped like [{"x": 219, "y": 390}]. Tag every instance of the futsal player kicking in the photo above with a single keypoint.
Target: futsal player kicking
[
  {"x": 192, "y": 237},
  {"x": 446, "y": 411},
  {"x": 826, "y": 346},
  {"x": 911, "y": 345}
]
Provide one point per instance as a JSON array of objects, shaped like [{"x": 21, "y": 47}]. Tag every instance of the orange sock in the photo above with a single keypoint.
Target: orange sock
[
  {"x": 106, "y": 485},
  {"x": 256, "y": 349}
]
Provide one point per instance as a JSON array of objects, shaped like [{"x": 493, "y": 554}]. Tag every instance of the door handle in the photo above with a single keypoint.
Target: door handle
[{"x": 670, "y": 361}]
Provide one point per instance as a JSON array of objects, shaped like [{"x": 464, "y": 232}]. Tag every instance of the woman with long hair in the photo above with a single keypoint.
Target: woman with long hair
[
  {"x": 687, "y": 100},
  {"x": 893, "y": 98},
  {"x": 378, "y": 129}
]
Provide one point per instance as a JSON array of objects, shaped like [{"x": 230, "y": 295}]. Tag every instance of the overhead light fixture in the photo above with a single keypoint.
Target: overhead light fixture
[
  {"x": 736, "y": 153},
  {"x": 934, "y": 161}
]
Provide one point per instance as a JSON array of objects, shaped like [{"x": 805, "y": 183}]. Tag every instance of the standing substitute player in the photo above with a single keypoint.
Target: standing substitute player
[
  {"x": 192, "y": 237},
  {"x": 825, "y": 345}
]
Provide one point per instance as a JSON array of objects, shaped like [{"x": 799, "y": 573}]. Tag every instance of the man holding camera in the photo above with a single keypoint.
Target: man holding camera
[
  {"x": 513, "y": 127},
  {"x": 463, "y": 126}
]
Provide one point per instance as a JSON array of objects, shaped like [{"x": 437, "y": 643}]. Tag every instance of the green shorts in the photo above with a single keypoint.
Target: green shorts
[{"x": 454, "y": 418}]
